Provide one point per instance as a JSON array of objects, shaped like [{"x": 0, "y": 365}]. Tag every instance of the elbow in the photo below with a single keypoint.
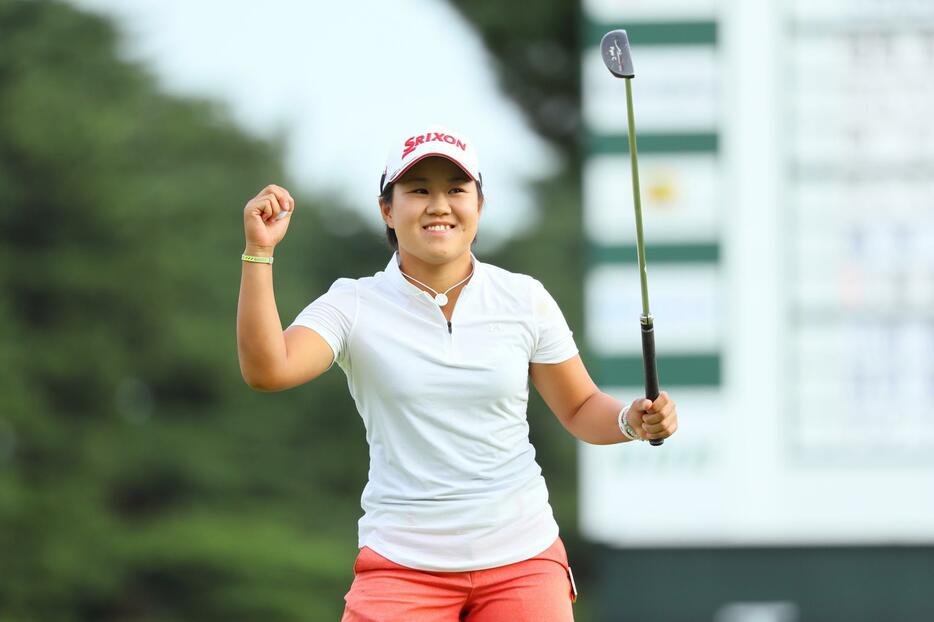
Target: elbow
[
  {"x": 264, "y": 387},
  {"x": 600, "y": 441},
  {"x": 259, "y": 383}
]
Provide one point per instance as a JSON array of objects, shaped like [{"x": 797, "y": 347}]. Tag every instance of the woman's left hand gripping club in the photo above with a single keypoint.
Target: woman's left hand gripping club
[{"x": 652, "y": 420}]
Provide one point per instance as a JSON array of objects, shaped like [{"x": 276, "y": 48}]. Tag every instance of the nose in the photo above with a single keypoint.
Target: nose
[{"x": 439, "y": 204}]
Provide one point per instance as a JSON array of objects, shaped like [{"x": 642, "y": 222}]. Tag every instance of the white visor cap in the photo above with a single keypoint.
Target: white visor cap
[{"x": 434, "y": 141}]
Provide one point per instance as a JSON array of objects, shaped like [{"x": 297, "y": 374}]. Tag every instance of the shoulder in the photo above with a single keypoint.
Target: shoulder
[
  {"x": 342, "y": 295},
  {"x": 344, "y": 283},
  {"x": 374, "y": 287},
  {"x": 519, "y": 292},
  {"x": 348, "y": 284},
  {"x": 506, "y": 278},
  {"x": 527, "y": 285},
  {"x": 368, "y": 283},
  {"x": 343, "y": 287},
  {"x": 525, "y": 292}
]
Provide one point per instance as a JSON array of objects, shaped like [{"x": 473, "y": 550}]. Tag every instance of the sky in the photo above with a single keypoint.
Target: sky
[{"x": 341, "y": 82}]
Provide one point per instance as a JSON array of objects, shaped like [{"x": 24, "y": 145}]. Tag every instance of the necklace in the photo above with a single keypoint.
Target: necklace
[{"x": 441, "y": 299}]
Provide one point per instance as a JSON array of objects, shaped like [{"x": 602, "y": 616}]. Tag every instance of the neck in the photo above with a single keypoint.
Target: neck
[{"x": 437, "y": 276}]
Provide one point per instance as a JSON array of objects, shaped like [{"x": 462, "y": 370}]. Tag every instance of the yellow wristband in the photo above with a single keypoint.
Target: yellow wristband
[{"x": 254, "y": 259}]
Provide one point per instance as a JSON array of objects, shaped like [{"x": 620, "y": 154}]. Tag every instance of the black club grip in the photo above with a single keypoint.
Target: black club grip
[{"x": 648, "y": 361}]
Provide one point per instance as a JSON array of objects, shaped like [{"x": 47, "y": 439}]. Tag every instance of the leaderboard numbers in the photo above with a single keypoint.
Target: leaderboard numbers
[{"x": 862, "y": 221}]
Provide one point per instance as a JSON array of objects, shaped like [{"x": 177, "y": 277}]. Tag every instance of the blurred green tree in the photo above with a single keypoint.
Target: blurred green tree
[
  {"x": 536, "y": 49},
  {"x": 139, "y": 477}
]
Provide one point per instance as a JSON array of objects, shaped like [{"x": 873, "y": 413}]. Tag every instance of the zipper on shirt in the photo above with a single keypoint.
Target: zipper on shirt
[{"x": 440, "y": 312}]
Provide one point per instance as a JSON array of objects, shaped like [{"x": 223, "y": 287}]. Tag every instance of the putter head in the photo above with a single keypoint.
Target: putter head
[{"x": 616, "y": 56}]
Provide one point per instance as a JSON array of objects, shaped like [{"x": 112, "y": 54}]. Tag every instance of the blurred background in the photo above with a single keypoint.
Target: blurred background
[{"x": 786, "y": 159}]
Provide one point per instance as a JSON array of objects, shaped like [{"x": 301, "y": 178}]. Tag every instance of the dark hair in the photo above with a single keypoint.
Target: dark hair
[{"x": 386, "y": 197}]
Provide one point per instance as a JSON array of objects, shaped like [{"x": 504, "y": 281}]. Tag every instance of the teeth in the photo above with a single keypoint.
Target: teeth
[{"x": 439, "y": 227}]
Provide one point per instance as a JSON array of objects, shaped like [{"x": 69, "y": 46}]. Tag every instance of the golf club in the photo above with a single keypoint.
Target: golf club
[{"x": 617, "y": 58}]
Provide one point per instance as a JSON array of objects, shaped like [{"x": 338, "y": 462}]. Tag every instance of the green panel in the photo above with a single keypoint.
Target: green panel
[
  {"x": 680, "y": 370},
  {"x": 700, "y": 142},
  {"x": 657, "y": 253},
  {"x": 828, "y": 584},
  {"x": 654, "y": 33}
]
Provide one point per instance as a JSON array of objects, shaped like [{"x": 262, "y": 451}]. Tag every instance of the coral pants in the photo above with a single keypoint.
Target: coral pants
[{"x": 538, "y": 589}]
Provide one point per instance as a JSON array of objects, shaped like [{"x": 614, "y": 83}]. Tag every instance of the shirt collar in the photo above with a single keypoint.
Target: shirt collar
[{"x": 403, "y": 284}]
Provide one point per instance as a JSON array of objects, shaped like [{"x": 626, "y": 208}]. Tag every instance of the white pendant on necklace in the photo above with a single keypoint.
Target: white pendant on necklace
[{"x": 441, "y": 300}]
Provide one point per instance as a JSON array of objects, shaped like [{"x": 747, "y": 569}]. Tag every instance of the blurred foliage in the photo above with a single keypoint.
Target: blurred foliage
[
  {"x": 536, "y": 47},
  {"x": 140, "y": 479}
]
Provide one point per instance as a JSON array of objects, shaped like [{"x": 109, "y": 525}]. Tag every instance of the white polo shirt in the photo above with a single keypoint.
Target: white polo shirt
[{"x": 453, "y": 482}]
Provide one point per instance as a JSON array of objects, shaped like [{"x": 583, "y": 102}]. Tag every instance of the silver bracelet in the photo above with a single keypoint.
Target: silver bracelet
[{"x": 624, "y": 426}]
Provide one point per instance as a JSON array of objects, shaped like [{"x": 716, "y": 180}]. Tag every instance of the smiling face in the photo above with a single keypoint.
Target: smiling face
[{"x": 434, "y": 211}]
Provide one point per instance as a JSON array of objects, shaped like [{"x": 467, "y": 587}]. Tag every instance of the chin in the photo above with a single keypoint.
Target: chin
[
  {"x": 441, "y": 254},
  {"x": 438, "y": 253}
]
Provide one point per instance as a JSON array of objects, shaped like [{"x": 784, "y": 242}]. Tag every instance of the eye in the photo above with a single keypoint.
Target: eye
[
  {"x": 419, "y": 190},
  {"x": 457, "y": 189}
]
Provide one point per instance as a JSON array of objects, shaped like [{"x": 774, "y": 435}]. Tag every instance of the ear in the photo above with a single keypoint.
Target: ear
[{"x": 385, "y": 210}]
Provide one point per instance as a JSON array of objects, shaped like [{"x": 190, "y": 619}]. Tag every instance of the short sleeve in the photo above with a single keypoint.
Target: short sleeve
[
  {"x": 331, "y": 315},
  {"x": 554, "y": 341}
]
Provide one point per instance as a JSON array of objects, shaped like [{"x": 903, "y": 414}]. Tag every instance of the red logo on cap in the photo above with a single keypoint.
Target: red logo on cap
[{"x": 430, "y": 137}]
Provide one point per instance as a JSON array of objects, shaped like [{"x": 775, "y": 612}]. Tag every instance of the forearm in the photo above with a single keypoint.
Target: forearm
[
  {"x": 260, "y": 342},
  {"x": 596, "y": 421}
]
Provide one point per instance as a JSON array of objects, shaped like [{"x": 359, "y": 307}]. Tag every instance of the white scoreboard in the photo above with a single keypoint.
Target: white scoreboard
[{"x": 786, "y": 153}]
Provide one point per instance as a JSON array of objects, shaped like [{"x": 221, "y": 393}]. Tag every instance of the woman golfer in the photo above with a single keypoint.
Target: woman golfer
[{"x": 438, "y": 349}]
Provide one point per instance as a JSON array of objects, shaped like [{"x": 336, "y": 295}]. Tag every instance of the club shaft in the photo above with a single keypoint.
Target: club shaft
[
  {"x": 648, "y": 328},
  {"x": 637, "y": 200}
]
